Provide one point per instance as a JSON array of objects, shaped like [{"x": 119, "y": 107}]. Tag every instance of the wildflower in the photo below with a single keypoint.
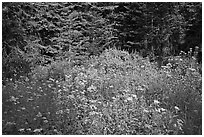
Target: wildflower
[
  {"x": 10, "y": 123},
  {"x": 29, "y": 129},
  {"x": 176, "y": 108},
  {"x": 145, "y": 110},
  {"x": 192, "y": 69},
  {"x": 180, "y": 123},
  {"x": 129, "y": 98},
  {"x": 164, "y": 67},
  {"x": 168, "y": 75},
  {"x": 67, "y": 77},
  {"x": 113, "y": 98},
  {"x": 30, "y": 99},
  {"x": 148, "y": 126},
  {"x": 142, "y": 66},
  {"x": 45, "y": 121},
  {"x": 140, "y": 88},
  {"x": 59, "y": 112},
  {"x": 111, "y": 86},
  {"x": 55, "y": 130},
  {"x": 81, "y": 83},
  {"x": 161, "y": 110},
  {"x": 93, "y": 107},
  {"x": 50, "y": 85},
  {"x": 26, "y": 79},
  {"x": 44, "y": 118},
  {"x": 93, "y": 101},
  {"x": 38, "y": 130},
  {"x": 51, "y": 79},
  {"x": 91, "y": 88},
  {"x": 21, "y": 129},
  {"x": 23, "y": 108},
  {"x": 134, "y": 96},
  {"x": 156, "y": 102},
  {"x": 39, "y": 114},
  {"x": 93, "y": 113},
  {"x": 126, "y": 90},
  {"x": 13, "y": 99},
  {"x": 169, "y": 65},
  {"x": 71, "y": 96}
]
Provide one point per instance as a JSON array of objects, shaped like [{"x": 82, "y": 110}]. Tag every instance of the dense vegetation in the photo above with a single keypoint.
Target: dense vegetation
[{"x": 102, "y": 68}]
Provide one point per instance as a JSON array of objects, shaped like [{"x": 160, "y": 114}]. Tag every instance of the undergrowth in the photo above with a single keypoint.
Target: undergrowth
[{"x": 114, "y": 93}]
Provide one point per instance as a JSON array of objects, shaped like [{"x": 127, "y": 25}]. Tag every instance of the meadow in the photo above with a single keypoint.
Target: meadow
[{"x": 115, "y": 93}]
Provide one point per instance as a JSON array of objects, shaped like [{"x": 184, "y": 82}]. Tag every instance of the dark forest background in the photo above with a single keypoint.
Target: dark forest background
[{"x": 38, "y": 33}]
